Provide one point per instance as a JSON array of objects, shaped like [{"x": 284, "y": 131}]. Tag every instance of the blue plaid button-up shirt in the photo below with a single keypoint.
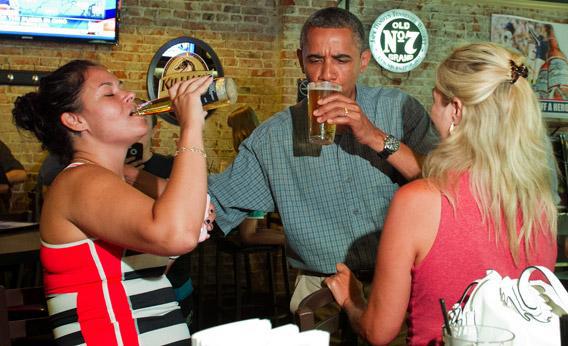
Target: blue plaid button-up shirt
[{"x": 333, "y": 205}]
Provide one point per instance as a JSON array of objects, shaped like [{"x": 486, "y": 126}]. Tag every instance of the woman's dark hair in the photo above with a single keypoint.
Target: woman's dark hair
[{"x": 40, "y": 112}]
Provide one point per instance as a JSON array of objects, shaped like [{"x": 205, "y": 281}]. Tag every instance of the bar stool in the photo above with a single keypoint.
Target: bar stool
[{"x": 232, "y": 246}]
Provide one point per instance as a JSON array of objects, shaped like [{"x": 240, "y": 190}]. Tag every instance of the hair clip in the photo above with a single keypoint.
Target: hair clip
[{"x": 518, "y": 71}]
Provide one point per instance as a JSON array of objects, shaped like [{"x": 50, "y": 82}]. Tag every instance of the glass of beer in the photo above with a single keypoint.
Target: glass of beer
[{"x": 320, "y": 133}]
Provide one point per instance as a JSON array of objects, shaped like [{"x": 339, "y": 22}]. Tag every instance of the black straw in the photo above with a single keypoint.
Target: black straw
[
  {"x": 564, "y": 330},
  {"x": 445, "y": 314}
]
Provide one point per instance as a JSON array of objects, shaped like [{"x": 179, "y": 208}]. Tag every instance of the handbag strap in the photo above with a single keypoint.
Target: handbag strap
[
  {"x": 524, "y": 285},
  {"x": 469, "y": 293}
]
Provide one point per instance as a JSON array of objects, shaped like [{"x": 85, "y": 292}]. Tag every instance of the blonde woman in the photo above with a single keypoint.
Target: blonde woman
[{"x": 485, "y": 201}]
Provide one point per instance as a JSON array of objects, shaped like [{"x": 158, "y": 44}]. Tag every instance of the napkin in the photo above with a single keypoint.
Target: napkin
[{"x": 258, "y": 332}]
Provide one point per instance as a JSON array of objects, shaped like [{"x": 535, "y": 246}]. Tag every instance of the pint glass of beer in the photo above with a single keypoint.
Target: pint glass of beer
[{"x": 320, "y": 133}]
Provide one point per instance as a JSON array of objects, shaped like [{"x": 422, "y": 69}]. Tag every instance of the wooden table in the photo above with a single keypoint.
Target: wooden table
[
  {"x": 19, "y": 245},
  {"x": 17, "y": 237}
]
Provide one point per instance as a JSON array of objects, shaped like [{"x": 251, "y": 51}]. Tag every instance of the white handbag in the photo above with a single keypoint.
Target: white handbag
[{"x": 529, "y": 309}]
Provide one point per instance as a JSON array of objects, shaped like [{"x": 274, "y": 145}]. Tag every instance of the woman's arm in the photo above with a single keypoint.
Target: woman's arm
[
  {"x": 148, "y": 183},
  {"x": 251, "y": 234},
  {"x": 405, "y": 241},
  {"x": 16, "y": 176}
]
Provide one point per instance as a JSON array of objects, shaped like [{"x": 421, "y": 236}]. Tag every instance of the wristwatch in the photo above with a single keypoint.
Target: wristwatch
[{"x": 391, "y": 146}]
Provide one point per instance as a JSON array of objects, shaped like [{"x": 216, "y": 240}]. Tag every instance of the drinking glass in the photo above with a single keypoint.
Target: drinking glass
[
  {"x": 320, "y": 133},
  {"x": 470, "y": 335}
]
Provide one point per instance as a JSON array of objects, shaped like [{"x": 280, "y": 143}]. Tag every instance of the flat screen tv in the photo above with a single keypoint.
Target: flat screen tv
[{"x": 88, "y": 21}]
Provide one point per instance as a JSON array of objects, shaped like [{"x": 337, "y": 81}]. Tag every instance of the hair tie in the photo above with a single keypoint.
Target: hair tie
[{"x": 518, "y": 71}]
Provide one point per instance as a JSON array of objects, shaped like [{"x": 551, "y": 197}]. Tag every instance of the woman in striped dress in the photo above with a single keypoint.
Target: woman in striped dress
[{"x": 96, "y": 228}]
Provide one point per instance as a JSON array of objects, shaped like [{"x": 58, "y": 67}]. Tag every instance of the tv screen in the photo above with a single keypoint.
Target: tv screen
[{"x": 92, "y": 21}]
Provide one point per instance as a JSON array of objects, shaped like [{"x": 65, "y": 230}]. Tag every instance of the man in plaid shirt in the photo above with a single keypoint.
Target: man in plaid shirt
[{"x": 332, "y": 199}]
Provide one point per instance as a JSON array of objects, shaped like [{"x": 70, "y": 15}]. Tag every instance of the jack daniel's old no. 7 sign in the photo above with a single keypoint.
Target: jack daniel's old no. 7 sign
[{"x": 398, "y": 40}]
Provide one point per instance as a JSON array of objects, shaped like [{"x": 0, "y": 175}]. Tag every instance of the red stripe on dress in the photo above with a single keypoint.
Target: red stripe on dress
[{"x": 111, "y": 256}]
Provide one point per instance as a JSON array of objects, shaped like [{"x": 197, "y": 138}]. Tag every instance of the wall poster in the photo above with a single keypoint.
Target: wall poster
[{"x": 545, "y": 46}]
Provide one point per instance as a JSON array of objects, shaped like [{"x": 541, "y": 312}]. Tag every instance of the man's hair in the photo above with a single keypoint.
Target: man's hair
[{"x": 335, "y": 18}]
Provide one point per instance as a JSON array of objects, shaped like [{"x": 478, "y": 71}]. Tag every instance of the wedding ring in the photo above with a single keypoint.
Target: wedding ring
[{"x": 346, "y": 112}]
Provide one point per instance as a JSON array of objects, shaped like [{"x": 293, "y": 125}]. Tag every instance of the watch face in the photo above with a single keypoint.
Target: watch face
[{"x": 391, "y": 144}]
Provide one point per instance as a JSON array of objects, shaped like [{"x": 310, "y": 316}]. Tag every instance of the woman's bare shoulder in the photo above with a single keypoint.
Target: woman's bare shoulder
[
  {"x": 418, "y": 190},
  {"x": 415, "y": 215},
  {"x": 69, "y": 197},
  {"x": 74, "y": 185},
  {"x": 419, "y": 198}
]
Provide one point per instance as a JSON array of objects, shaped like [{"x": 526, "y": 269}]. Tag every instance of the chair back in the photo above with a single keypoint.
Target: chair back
[
  {"x": 24, "y": 318},
  {"x": 36, "y": 201},
  {"x": 319, "y": 311},
  {"x": 306, "y": 313}
]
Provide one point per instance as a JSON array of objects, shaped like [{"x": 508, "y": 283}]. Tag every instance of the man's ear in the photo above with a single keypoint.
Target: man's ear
[
  {"x": 300, "y": 59},
  {"x": 73, "y": 121},
  {"x": 365, "y": 59}
]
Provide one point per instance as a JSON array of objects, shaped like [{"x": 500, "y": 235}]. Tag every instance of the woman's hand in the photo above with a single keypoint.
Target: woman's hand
[
  {"x": 130, "y": 173},
  {"x": 346, "y": 289},
  {"x": 210, "y": 217},
  {"x": 348, "y": 293},
  {"x": 186, "y": 97},
  {"x": 131, "y": 161}
]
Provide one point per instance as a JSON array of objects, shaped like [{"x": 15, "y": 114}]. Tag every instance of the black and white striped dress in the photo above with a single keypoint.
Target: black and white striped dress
[{"x": 101, "y": 294}]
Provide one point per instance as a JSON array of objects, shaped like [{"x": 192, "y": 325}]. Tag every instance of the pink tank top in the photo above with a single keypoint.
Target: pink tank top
[{"x": 462, "y": 252}]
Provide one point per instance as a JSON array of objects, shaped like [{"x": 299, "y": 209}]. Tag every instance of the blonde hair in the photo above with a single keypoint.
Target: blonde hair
[
  {"x": 501, "y": 141},
  {"x": 243, "y": 121}
]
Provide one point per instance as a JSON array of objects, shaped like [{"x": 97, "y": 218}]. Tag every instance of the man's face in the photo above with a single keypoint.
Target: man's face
[{"x": 333, "y": 55}]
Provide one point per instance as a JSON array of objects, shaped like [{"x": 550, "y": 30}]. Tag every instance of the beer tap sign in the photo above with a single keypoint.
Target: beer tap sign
[{"x": 398, "y": 40}]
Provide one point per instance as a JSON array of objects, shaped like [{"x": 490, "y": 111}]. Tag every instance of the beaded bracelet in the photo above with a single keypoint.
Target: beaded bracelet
[{"x": 192, "y": 149}]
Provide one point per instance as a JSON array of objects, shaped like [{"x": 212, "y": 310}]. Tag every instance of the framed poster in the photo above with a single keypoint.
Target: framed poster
[{"x": 545, "y": 46}]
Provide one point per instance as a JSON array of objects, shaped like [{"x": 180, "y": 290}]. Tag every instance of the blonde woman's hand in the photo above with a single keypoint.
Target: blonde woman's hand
[
  {"x": 345, "y": 287},
  {"x": 186, "y": 97}
]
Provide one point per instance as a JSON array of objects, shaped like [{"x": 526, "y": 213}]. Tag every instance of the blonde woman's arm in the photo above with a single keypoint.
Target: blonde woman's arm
[{"x": 404, "y": 243}]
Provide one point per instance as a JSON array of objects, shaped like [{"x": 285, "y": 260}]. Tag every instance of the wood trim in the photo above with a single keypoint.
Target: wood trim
[{"x": 527, "y": 4}]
